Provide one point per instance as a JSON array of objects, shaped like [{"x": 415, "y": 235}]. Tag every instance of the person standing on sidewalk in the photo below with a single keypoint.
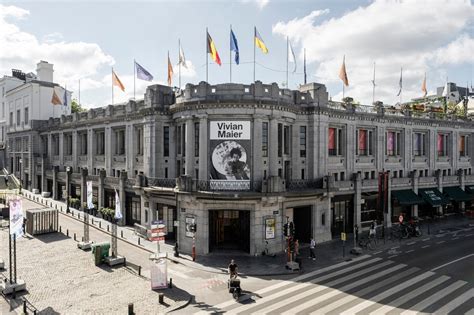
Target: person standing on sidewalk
[{"x": 312, "y": 245}]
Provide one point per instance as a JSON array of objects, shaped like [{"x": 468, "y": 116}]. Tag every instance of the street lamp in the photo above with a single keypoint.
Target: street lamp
[{"x": 68, "y": 171}]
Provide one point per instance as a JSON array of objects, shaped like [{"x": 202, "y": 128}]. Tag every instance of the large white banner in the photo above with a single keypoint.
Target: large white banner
[
  {"x": 230, "y": 145},
  {"x": 90, "y": 204},
  {"x": 16, "y": 218},
  {"x": 159, "y": 274}
]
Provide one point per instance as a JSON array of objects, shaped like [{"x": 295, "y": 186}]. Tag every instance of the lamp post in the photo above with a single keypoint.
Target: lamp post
[{"x": 68, "y": 172}]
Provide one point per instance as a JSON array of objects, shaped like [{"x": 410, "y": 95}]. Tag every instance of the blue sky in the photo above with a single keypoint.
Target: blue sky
[{"x": 85, "y": 39}]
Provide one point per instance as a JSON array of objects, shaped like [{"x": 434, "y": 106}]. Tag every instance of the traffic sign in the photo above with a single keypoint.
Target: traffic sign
[{"x": 343, "y": 236}]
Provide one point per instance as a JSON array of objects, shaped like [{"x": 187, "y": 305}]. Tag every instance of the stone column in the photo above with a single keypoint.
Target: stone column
[
  {"x": 100, "y": 195},
  {"x": 123, "y": 178},
  {"x": 131, "y": 148},
  {"x": 439, "y": 180},
  {"x": 415, "y": 184},
  {"x": 108, "y": 143},
  {"x": 273, "y": 146},
  {"x": 388, "y": 215},
  {"x": 68, "y": 184},
  {"x": 462, "y": 184},
  {"x": 147, "y": 149},
  {"x": 357, "y": 199},
  {"x": 61, "y": 148},
  {"x": 44, "y": 183},
  {"x": 90, "y": 149},
  {"x": 55, "y": 182},
  {"x": 75, "y": 151},
  {"x": 85, "y": 209},
  {"x": 189, "y": 144},
  {"x": 256, "y": 160},
  {"x": 203, "y": 148}
]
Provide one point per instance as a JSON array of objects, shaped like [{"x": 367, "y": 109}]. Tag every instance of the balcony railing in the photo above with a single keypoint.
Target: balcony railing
[
  {"x": 161, "y": 182},
  {"x": 304, "y": 184}
]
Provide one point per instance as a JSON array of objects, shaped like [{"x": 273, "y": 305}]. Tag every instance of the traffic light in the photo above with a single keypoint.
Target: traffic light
[
  {"x": 292, "y": 229},
  {"x": 285, "y": 229}
]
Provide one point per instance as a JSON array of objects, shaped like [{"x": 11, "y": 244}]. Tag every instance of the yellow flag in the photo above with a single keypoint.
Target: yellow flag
[
  {"x": 116, "y": 81},
  {"x": 170, "y": 70},
  {"x": 343, "y": 73},
  {"x": 259, "y": 42},
  {"x": 55, "y": 100}
]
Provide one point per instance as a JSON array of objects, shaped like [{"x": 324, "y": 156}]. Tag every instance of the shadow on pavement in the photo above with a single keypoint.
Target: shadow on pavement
[{"x": 51, "y": 237}]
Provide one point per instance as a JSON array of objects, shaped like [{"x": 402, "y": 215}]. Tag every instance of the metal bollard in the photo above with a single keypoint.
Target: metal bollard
[
  {"x": 60, "y": 229},
  {"x": 107, "y": 227},
  {"x": 160, "y": 298},
  {"x": 139, "y": 270},
  {"x": 14, "y": 293},
  {"x": 67, "y": 232},
  {"x": 130, "y": 309},
  {"x": 100, "y": 224},
  {"x": 82, "y": 238},
  {"x": 121, "y": 234},
  {"x": 92, "y": 221},
  {"x": 74, "y": 236},
  {"x": 170, "y": 285},
  {"x": 138, "y": 241},
  {"x": 25, "y": 311}
]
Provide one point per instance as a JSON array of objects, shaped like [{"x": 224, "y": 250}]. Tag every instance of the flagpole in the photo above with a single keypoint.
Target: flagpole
[
  {"x": 169, "y": 74},
  {"x": 373, "y": 87},
  {"x": 401, "y": 85},
  {"x": 304, "y": 66},
  {"x": 179, "y": 62},
  {"x": 254, "y": 36},
  {"x": 287, "y": 56},
  {"x": 112, "y": 85},
  {"x": 343, "y": 90},
  {"x": 134, "y": 75},
  {"x": 79, "y": 92},
  {"x": 230, "y": 55},
  {"x": 207, "y": 56}
]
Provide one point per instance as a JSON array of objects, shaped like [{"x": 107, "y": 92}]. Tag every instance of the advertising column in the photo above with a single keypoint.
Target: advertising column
[{"x": 230, "y": 148}]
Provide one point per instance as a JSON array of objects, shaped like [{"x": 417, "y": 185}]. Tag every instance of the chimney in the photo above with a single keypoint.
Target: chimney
[{"x": 45, "y": 71}]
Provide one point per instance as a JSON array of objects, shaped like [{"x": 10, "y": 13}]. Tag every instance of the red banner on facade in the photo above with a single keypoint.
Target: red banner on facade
[{"x": 332, "y": 142}]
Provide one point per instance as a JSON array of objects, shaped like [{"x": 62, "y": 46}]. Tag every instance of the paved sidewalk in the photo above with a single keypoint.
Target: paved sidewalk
[{"x": 326, "y": 253}]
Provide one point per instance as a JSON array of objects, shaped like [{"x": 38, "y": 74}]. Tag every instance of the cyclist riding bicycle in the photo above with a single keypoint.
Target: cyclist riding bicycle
[
  {"x": 372, "y": 230},
  {"x": 232, "y": 269}
]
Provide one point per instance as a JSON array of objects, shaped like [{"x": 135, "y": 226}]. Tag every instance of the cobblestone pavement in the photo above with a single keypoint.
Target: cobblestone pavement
[{"x": 61, "y": 278}]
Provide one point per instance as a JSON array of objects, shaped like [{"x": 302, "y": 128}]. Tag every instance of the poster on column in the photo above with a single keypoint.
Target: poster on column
[
  {"x": 230, "y": 145},
  {"x": 16, "y": 218},
  {"x": 90, "y": 204},
  {"x": 159, "y": 274}
]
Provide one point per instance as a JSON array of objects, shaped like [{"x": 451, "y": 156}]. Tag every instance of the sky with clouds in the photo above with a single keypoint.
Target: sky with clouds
[{"x": 84, "y": 39}]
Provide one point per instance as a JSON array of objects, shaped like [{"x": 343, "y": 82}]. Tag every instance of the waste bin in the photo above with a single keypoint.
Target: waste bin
[{"x": 100, "y": 251}]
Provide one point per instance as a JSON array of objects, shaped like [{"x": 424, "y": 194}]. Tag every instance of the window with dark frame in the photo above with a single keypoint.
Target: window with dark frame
[
  {"x": 196, "y": 139},
  {"x": 280, "y": 140},
  {"x": 286, "y": 140},
  {"x": 335, "y": 141},
  {"x": 302, "y": 141},
  {"x": 166, "y": 141},
  {"x": 178, "y": 139},
  {"x": 265, "y": 139}
]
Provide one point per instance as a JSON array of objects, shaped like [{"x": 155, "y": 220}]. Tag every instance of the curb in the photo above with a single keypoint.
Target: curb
[{"x": 186, "y": 303}]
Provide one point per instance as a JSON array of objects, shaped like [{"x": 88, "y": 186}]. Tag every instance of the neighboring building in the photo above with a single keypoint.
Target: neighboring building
[
  {"x": 27, "y": 98},
  {"x": 240, "y": 161}
]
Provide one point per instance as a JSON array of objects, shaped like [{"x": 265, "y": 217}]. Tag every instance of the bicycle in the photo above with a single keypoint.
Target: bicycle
[
  {"x": 368, "y": 243},
  {"x": 265, "y": 251}
]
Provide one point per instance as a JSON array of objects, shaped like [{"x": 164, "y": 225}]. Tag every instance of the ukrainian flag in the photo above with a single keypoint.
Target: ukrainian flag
[{"x": 259, "y": 42}]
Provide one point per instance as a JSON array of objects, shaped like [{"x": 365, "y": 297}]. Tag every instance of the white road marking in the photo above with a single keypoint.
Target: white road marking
[
  {"x": 468, "y": 234},
  {"x": 409, "y": 251},
  {"x": 426, "y": 246},
  {"x": 433, "y": 298},
  {"x": 376, "y": 253},
  {"x": 426, "y": 239},
  {"x": 455, "y": 238},
  {"x": 451, "y": 262},
  {"x": 470, "y": 312},
  {"x": 441, "y": 242},
  {"x": 410, "y": 295},
  {"x": 392, "y": 256},
  {"x": 359, "y": 307},
  {"x": 411, "y": 243},
  {"x": 456, "y": 302}
]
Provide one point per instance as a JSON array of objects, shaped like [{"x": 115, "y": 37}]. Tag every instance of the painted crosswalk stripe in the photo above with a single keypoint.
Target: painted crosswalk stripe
[
  {"x": 420, "y": 306},
  {"x": 387, "y": 293},
  {"x": 456, "y": 302},
  {"x": 304, "y": 285},
  {"x": 348, "y": 298},
  {"x": 426, "y": 246},
  {"x": 410, "y": 295},
  {"x": 337, "y": 291},
  {"x": 470, "y": 312},
  {"x": 291, "y": 281},
  {"x": 318, "y": 288}
]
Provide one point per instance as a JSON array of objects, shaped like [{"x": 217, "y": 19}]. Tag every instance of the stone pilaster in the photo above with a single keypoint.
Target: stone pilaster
[
  {"x": 415, "y": 184},
  {"x": 101, "y": 192},
  {"x": 462, "y": 184},
  {"x": 44, "y": 185},
  {"x": 273, "y": 147},
  {"x": 55, "y": 182},
  {"x": 123, "y": 179},
  {"x": 108, "y": 143},
  {"x": 257, "y": 166},
  {"x": 189, "y": 144},
  {"x": 203, "y": 144},
  {"x": 357, "y": 199}
]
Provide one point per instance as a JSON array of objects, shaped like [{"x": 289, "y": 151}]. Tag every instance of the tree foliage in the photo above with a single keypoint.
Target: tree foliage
[{"x": 76, "y": 107}]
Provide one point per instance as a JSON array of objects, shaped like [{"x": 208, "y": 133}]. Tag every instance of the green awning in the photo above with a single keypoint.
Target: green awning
[
  {"x": 433, "y": 196},
  {"x": 407, "y": 197},
  {"x": 457, "y": 194},
  {"x": 470, "y": 189}
]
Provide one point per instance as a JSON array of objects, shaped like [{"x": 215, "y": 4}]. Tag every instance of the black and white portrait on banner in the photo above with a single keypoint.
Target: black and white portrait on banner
[{"x": 230, "y": 155}]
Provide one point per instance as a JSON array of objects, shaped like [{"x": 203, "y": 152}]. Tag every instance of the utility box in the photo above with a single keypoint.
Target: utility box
[
  {"x": 41, "y": 221},
  {"x": 100, "y": 252}
]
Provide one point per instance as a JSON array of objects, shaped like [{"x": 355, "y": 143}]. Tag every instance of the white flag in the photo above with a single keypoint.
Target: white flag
[
  {"x": 16, "y": 218},
  {"x": 291, "y": 56},
  {"x": 118, "y": 211},
  {"x": 90, "y": 204},
  {"x": 182, "y": 59}
]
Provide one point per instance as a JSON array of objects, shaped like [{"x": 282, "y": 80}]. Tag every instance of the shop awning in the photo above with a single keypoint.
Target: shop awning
[
  {"x": 407, "y": 197},
  {"x": 457, "y": 194},
  {"x": 433, "y": 196},
  {"x": 470, "y": 189}
]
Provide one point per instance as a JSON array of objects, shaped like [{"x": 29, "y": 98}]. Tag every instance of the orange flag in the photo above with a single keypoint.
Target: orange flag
[
  {"x": 343, "y": 73},
  {"x": 116, "y": 81},
  {"x": 170, "y": 70},
  {"x": 211, "y": 49},
  {"x": 423, "y": 86},
  {"x": 55, "y": 99}
]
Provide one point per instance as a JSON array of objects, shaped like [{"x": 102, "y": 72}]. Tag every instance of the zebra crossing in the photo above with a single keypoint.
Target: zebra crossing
[{"x": 365, "y": 285}]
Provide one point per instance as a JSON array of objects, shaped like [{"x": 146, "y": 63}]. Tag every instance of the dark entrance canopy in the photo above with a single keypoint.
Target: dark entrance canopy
[
  {"x": 470, "y": 189},
  {"x": 407, "y": 197},
  {"x": 457, "y": 194},
  {"x": 433, "y": 196}
]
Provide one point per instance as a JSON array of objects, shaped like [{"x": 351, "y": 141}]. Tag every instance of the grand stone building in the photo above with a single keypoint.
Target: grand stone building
[{"x": 240, "y": 161}]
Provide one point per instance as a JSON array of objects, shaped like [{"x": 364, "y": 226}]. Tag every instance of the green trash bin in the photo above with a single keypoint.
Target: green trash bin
[{"x": 100, "y": 251}]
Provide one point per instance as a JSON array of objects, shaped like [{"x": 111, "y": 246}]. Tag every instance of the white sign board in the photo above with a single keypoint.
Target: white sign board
[
  {"x": 90, "y": 204},
  {"x": 16, "y": 218},
  {"x": 159, "y": 274}
]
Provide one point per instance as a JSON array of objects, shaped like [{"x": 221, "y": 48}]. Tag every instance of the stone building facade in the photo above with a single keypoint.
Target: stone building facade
[{"x": 240, "y": 161}]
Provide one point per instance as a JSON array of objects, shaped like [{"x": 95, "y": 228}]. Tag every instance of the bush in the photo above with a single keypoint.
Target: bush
[
  {"x": 74, "y": 203},
  {"x": 107, "y": 213}
]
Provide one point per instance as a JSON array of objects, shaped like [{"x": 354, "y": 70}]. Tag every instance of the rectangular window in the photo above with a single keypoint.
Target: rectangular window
[
  {"x": 265, "y": 139},
  {"x": 183, "y": 140},
  {"x": 178, "y": 139},
  {"x": 302, "y": 141},
  {"x": 120, "y": 142},
  {"x": 11, "y": 118},
  {"x": 419, "y": 144},
  {"x": 166, "y": 141},
  {"x": 196, "y": 139},
  {"x": 100, "y": 143},
  {"x": 302, "y": 173},
  {"x": 286, "y": 137},
  {"x": 166, "y": 172},
  {"x": 139, "y": 135},
  {"x": 27, "y": 118},
  {"x": 362, "y": 142},
  {"x": 280, "y": 140},
  {"x": 442, "y": 144},
  {"x": 45, "y": 145},
  {"x": 56, "y": 144},
  {"x": 335, "y": 141},
  {"x": 83, "y": 143},
  {"x": 18, "y": 117},
  {"x": 393, "y": 143},
  {"x": 463, "y": 145}
]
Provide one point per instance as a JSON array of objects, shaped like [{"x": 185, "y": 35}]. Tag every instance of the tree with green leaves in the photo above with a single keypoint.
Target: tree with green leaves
[{"x": 76, "y": 107}]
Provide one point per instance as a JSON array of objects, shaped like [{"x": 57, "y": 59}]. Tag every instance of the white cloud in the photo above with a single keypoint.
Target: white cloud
[
  {"x": 420, "y": 36},
  {"x": 72, "y": 60},
  {"x": 260, "y": 3}
]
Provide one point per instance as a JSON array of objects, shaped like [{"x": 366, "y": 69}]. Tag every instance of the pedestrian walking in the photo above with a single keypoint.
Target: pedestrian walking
[
  {"x": 297, "y": 247},
  {"x": 312, "y": 245}
]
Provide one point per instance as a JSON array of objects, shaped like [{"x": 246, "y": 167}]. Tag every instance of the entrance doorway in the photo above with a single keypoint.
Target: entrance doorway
[
  {"x": 302, "y": 220},
  {"x": 229, "y": 230},
  {"x": 342, "y": 215}
]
